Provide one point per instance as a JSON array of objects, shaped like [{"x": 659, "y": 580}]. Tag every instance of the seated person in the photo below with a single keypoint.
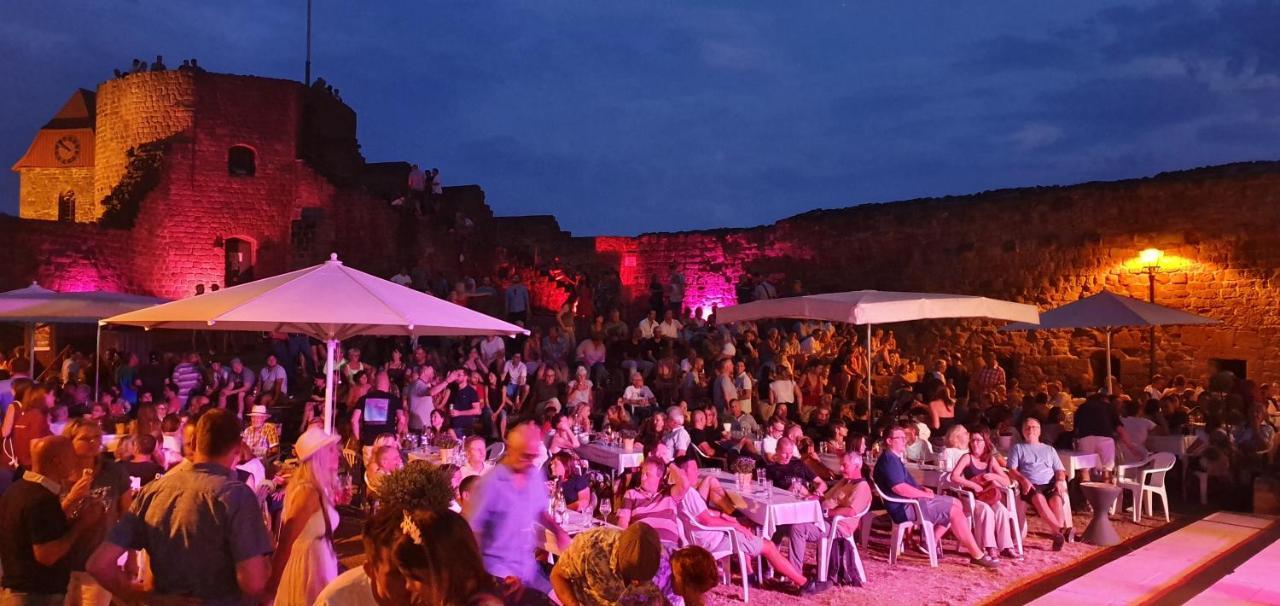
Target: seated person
[
  {"x": 676, "y": 438},
  {"x": 809, "y": 454},
  {"x": 839, "y": 441},
  {"x": 946, "y": 513},
  {"x": 385, "y": 459},
  {"x": 954, "y": 445},
  {"x": 918, "y": 449},
  {"x": 742, "y": 421},
  {"x": 638, "y": 396},
  {"x": 262, "y": 437},
  {"x": 574, "y": 487},
  {"x": 617, "y": 418},
  {"x": 692, "y": 506},
  {"x": 137, "y": 456},
  {"x": 1042, "y": 480},
  {"x": 788, "y": 472},
  {"x": 564, "y": 437},
  {"x": 476, "y": 453},
  {"x": 769, "y": 444},
  {"x": 705, "y": 439},
  {"x": 819, "y": 427},
  {"x": 848, "y": 497}
]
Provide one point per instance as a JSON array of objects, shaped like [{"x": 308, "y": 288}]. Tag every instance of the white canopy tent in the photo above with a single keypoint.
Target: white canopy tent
[
  {"x": 36, "y": 305},
  {"x": 329, "y": 302},
  {"x": 1108, "y": 311},
  {"x": 878, "y": 307}
]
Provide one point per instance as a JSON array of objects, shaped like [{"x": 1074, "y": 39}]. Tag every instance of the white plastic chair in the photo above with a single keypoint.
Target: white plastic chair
[
  {"x": 1010, "y": 502},
  {"x": 1148, "y": 483},
  {"x": 833, "y": 535},
  {"x": 495, "y": 452},
  {"x": 900, "y": 529},
  {"x": 689, "y": 525}
]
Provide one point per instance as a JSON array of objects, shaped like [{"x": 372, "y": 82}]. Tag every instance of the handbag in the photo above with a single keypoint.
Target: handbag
[{"x": 991, "y": 493}]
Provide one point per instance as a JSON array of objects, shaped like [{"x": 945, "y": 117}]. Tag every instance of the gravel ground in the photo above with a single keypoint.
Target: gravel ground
[
  {"x": 911, "y": 581},
  {"x": 955, "y": 582}
]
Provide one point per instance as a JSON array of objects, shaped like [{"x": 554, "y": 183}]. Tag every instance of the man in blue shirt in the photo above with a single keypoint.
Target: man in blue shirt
[
  {"x": 517, "y": 295},
  {"x": 893, "y": 479},
  {"x": 1042, "y": 479}
]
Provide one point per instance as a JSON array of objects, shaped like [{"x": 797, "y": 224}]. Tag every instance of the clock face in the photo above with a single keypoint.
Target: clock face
[{"x": 67, "y": 149}]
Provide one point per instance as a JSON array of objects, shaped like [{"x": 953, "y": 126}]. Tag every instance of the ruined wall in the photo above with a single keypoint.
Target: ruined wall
[
  {"x": 138, "y": 109},
  {"x": 40, "y": 188},
  {"x": 1219, "y": 228}
]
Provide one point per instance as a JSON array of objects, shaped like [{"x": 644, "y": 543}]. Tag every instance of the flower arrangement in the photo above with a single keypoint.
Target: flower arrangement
[
  {"x": 627, "y": 434},
  {"x": 745, "y": 465},
  {"x": 445, "y": 441},
  {"x": 419, "y": 485}
]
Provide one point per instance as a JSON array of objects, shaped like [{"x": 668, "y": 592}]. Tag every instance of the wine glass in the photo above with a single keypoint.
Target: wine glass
[{"x": 606, "y": 507}]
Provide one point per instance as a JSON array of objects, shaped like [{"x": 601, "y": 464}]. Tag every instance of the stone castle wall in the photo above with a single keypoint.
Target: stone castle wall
[
  {"x": 40, "y": 189},
  {"x": 1219, "y": 228},
  {"x": 137, "y": 109}
]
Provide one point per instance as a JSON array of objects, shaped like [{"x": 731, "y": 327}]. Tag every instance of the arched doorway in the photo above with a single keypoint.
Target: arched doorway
[
  {"x": 239, "y": 261},
  {"x": 67, "y": 206}
]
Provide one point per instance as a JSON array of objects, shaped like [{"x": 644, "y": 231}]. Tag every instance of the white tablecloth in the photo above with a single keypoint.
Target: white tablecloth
[
  {"x": 1074, "y": 460},
  {"x": 430, "y": 455},
  {"x": 1175, "y": 444},
  {"x": 575, "y": 523},
  {"x": 769, "y": 511},
  {"x": 613, "y": 457}
]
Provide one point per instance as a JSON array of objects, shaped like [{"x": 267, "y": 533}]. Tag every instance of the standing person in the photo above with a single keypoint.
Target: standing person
[
  {"x": 215, "y": 554},
  {"x": 86, "y": 443},
  {"x": 38, "y": 537},
  {"x": 465, "y": 405},
  {"x": 724, "y": 390},
  {"x": 379, "y": 411},
  {"x": 304, "y": 562},
  {"x": 505, "y": 506},
  {"x": 517, "y": 299},
  {"x": 991, "y": 376},
  {"x": 675, "y": 290},
  {"x": 892, "y": 477},
  {"x": 187, "y": 377},
  {"x": 1097, "y": 425},
  {"x": 26, "y": 423}
]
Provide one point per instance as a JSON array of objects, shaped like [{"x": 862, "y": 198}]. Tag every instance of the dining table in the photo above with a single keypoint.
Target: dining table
[
  {"x": 611, "y": 456},
  {"x": 574, "y": 524},
  {"x": 769, "y": 507}
]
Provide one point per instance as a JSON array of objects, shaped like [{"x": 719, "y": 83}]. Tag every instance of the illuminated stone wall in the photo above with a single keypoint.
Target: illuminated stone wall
[
  {"x": 140, "y": 108},
  {"x": 1220, "y": 228},
  {"x": 39, "y": 189}
]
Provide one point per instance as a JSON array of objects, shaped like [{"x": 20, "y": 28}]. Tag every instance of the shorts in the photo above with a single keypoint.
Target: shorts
[
  {"x": 1102, "y": 446},
  {"x": 1049, "y": 491},
  {"x": 937, "y": 510}
]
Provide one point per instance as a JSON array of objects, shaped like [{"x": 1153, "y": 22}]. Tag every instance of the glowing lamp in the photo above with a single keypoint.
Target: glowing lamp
[{"x": 1151, "y": 258}]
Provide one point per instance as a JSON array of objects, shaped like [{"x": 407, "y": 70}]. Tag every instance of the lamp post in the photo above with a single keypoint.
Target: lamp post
[{"x": 1151, "y": 264}]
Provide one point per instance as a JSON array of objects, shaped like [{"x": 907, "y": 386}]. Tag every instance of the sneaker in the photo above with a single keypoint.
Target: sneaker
[
  {"x": 1009, "y": 554},
  {"x": 1059, "y": 539},
  {"x": 813, "y": 587},
  {"x": 985, "y": 561}
]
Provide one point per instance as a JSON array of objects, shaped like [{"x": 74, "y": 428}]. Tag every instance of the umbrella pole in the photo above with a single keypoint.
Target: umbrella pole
[
  {"x": 870, "y": 409},
  {"x": 31, "y": 353},
  {"x": 97, "y": 361},
  {"x": 331, "y": 345},
  {"x": 1108, "y": 385}
]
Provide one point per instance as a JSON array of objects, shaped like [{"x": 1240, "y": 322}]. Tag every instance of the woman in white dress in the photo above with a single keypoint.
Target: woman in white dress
[{"x": 304, "y": 561}]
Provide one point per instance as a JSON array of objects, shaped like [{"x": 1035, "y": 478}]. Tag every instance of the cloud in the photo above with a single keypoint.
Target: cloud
[{"x": 1034, "y": 136}]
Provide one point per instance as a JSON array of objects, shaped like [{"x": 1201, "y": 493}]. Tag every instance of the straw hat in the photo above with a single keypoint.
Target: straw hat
[
  {"x": 311, "y": 441},
  {"x": 259, "y": 410}
]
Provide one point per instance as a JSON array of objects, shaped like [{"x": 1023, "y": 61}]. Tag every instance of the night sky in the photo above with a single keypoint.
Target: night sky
[{"x": 627, "y": 116}]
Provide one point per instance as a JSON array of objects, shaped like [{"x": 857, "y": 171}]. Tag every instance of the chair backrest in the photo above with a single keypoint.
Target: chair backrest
[
  {"x": 893, "y": 499},
  {"x": 1161, "y": 463},
  {"x": 495, "y": 451}
]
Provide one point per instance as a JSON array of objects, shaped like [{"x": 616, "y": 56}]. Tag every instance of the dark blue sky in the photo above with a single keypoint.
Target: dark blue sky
[{"x": 623, "y": 117}]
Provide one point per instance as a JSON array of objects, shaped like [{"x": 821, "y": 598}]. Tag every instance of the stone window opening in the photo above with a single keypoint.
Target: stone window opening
[
  {"x": 242, "y": 161},
  {"x": 67, "y": 207}
]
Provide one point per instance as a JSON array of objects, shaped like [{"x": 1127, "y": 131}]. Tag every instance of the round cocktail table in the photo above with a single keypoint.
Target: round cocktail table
[{"x": 1100, "y": 496}]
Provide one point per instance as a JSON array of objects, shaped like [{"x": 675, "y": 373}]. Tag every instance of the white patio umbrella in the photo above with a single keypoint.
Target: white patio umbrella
[
  {"x": 1108, "y": 311},
  {"x": 878, "y": 307},
  {"x": 36, "y": 305},
  {"x": 329, "y": 302}
]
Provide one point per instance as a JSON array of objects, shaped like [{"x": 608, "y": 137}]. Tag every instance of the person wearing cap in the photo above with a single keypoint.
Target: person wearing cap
[
  {"x": 304, "y": 561},
  {"x": 262, "y": 437},
  {"x": 603, "y": 564}
]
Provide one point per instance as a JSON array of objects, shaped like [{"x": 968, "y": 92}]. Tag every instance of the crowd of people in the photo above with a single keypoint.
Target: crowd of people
[{"x": 195, "y": 429}]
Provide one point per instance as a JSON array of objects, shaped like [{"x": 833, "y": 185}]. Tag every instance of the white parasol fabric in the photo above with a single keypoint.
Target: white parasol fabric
[
  {"x": 37, "y": 305},
  {"x": 878, "y": 307},
  {"x": 329, "y": 302},
  {"x": 1108, "y": 311}
]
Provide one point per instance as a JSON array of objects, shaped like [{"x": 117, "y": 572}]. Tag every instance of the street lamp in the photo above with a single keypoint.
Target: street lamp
[{"x": 1150, "y": 259}]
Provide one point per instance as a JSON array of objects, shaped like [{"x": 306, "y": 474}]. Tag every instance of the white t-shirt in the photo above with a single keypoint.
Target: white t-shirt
[
  {"x": 633, "y": 393},
  {"x": 670, "y": 329},
  {"x": 351, "y": 588},
  {"x": 783, "y": 390},
  {"x": 647, "y": 327},
  {"x": 1137, "y": 428},
  {"x": 517, "y": 373},
  {"x": 421, "y": 403},
  {"x": 268, "y": 376},
  {"x": 677, "y": 440},
  {"x": 490, "y": 348}
]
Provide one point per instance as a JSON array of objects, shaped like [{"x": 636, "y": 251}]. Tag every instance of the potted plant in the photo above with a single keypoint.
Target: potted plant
[
  {"x": 628, "y": 440},
  {"x": 744, "y": 469},
  {"x": 446, "y": 444}
]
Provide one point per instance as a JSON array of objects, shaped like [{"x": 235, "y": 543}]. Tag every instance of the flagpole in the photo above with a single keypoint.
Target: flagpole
[{"x": 307, "y": 75}]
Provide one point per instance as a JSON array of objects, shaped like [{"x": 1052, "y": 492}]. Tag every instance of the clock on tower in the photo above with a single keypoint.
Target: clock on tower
[{"x": 67, "y": 149}]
